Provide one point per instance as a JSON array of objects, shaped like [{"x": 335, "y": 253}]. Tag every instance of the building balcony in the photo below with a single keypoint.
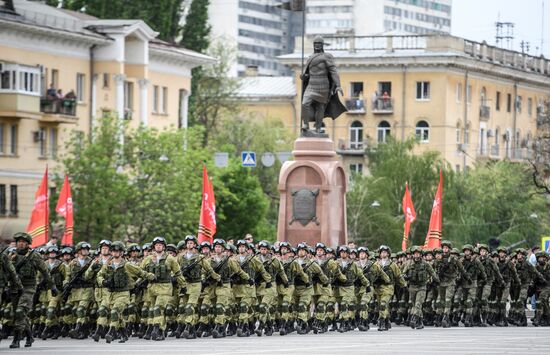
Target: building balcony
[
  {"x": 19, "y": 105},
  {"x": 355, "y": 106},
  {"x": 65, "y": 107},
  {"x": 382, "y": 106},
  {"x": 484, "y": 113},
  {"x": 347, "y": 147}
]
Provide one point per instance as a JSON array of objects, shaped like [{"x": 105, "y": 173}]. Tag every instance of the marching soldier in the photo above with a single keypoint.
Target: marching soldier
[
  {"x": 508, "y": 272},
  {"x": 493, "y": 276},
  {"x": 9, "y": 282},
  {"x": 58, "y": 273},
  {"x": 474, "y": 272},
  {"x": 101, "y": 293},
  {"x": 527, "y": 273},
  {"x": 384, "y": 290},
  {"x": 27, "y": 264},
  {"x": 417, "y": 273},
  {"x": 542, "y": 287}
]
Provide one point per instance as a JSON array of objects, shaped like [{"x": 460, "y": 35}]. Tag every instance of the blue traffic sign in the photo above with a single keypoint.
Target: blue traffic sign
[{"x": 248, "y": 159}]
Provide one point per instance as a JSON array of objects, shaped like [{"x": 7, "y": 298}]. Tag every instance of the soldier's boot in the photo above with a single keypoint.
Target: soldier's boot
[
  {"x": 445, "y": 323},
  {"x": 412, "y": 321},
  {"x": 191, "y": 332},
  {"x": 399, "y": 319},
  {"x": 83, "y": 333},
  {"x": 381, "y": 324},
  {"x": 437, "y": 320},
  {"x": 366, "y": 324},
  {"x": 98, "y": 333},
  {"x": 208, "y": 330},
  {"x": 140, "y": 332},
  {"x": 161, "y": 335},
  {"x": 282, "y": 328},
  {"x": 46, "y": 333},
  {"x": 301, "y": 327},
  {"x": 501, "y": 322},
  {"x": 16, "y": 339},
  {"x": 176, "y": 331},
  {"x": 419, "y": 323},
  {"x": 259, "y": 329},
  {"x": 522, "y": 321},
  {"x": 64, "y": 332},
  {"x": 155, "y": 332},
  {"x": 316, "y": 326},
  {"x": 482, "y": 320},
  {"x": 30, "y": 338},
  {"x": 148, "y": 332},
  {"x": 468, "y": 320},
  {"x": 123, "y": 335},
  {"x": 110, "y": 336},
  {"x": 218, "y": 331},
  {"x": 74, "y": 332},
  {"x": 199, "y": 329},
  {"x": 242, "y": 329},
  {"x": 268, "y": 330},
  {"x": 231, "y": 329},
  {"x": 333, "y": 325}
]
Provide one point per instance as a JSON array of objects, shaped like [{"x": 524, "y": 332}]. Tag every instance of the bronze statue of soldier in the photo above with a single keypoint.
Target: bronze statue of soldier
[{"x": 320, "y": 88}]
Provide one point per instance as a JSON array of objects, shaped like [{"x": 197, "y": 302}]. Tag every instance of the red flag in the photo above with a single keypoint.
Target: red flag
[
  {"x": 410, "y": 216},
  {"x": 433, "y": 238},
  {"x": 207, "y": 223},
  {"x": 65, "y": 209},
  {"x": 38, "y": 225}
]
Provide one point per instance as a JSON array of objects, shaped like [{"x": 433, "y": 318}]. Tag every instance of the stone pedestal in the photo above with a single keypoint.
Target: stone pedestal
[{"x": 313, "y": 185}]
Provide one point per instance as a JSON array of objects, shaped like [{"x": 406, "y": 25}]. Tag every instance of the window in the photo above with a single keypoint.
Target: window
[
  {"x": 356, "y": 135},
  {"x": 497, "y": 103},
  {"x": 384, "y": 86},
  {"x": 469, "y": 94},
  {"x": 383, "y": 130},
  {"x": 459, "y": 92},
  {"x": 13, "y": 139},
  {"x": 106, "y": 80},
  {"x": 20, "y": 79},
  {"x": 530, "y": 106},
  {"x": 55, "y": 78},
  {"x": 519, "y": 103},
  {"x": 42, "y": 141},
  {"x": 466, "y": 136},
  {"x": 508, "y": 102},
  {"x": 164, "y": 99},
  {"x": 128, "y": 96},
  {"x": 497, "y": 136},
  {"x": 79, "y": 87},
  {"x": 53, "y": 142},
  {"x": 155, "y": 99},
  {"x": 3, "y": 199},
  {"x": 356, "y": 89},
  {"x": 457, "y": 135},
  {"x": 2, "y": 138},
  {"x": 13, "y": 200},
  {"x": 423, "y": 131},
  {"x": 356, "y": 168},
  {"x": 423, "y": 90}
]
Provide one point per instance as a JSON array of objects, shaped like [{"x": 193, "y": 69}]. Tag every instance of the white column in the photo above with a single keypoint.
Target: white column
[
  {"x": 143, "y": 100},
  {"x": 119, "y": 80},
  {"x": 184, "y": 107}
]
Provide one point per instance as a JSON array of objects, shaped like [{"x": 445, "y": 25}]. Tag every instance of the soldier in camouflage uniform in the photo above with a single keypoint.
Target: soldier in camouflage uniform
[
  {"x": 9, "y": 283},
  {"x": 428, "y": 310},
  {"x": 27, "y": 264},
  {"x": 527, "y": 273},
  {"x": 116, "y": 277},
  {"x": 508, "y": 272},
  {"x": 364, "y": 295},
  {"x": 101, "y": 294},
  {"x": 417, "y": 273},
  {"x": 245, "y": 291},
  {"x": 165, "y": 268},
  {"x": 385, "y": 290},
  {"x": 484, "y": 288},
  {"x": 474, "y": 272},
  {"x": 58, "y": 273},
  {"x": 345, "y": 290},
  {"x": 542, "y": 289}
]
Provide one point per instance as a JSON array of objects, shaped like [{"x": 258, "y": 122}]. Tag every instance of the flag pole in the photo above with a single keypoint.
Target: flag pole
[{"x": 47, "y": 207}]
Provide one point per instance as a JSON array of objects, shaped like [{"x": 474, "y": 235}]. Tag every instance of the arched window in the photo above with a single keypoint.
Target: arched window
[
  {"x": 423, "y": 131},
  {"x": 383, "y": 130},
  {"x": 356, "y": 135}
]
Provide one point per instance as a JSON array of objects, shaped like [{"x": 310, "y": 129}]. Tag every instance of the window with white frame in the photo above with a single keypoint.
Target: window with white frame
[
  {"x": 164, "y": 99},
  {"x": 155, "y": 99},
  {"x": 356, "y": 135},
  {"x": 128, "y": 96},
  {"x": 459, "y": 92},
  {"x": 469, "y": 94},
  {"x": 422, "y": 131},
  {"x": 22, "y": 79},
  {"x": 13, "y": 139},
  {"x": 423, "y": 90},
  {"x": 80, "y": 87},
  {"x": 356, "y": 168},
  {"x": 383, "y": 131},
  {"x": 52, "y": 144}
]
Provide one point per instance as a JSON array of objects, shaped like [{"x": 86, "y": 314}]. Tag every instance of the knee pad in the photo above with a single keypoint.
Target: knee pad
[
  {"x": 468, "y": 304},
  {"x": 383, "y": 306},
  {"x": 103, "y": 311},
  {"x": 330, "y": 307},
  {"x": 321, "y": 308},
  {"x": 131, "y": 308},
  {"x": 114, "y": 316},
  {"x": 50, "y": 313},
  {"x": 189, "y": 310},
  {"x": 19, "y": 313},
  {"x": 205, "y": 310},
  {"x": 181, "y": 309},
  {"x": 343, "y": 307},
  {"x": 262, "y": 308},
  {"x": 80, "y": 312},
  {"x": 170, "y": 311},
  {"x": 351, "y": 307},
  {"x": 144, "y": 312},
  {"x": 157, "y": 312},
  {"x": 285, "y": 307},
  {"x": 363, "y": 307},
  {"x": 243, "y": 307},
  {"x": 219, "y": 310},
  {"x": 302, "y": 307}
]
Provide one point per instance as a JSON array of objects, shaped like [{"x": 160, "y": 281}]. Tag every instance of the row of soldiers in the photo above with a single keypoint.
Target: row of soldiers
[{"x": 195, "y": 290}]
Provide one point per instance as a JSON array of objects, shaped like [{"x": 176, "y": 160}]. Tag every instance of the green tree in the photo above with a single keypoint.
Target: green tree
[{"x": 196, "y": 31}]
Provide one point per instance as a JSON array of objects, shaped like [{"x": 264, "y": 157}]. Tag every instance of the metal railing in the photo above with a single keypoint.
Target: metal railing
[
  {"x": 58, "y": 106},
  {"x": 349, "y": 145},
  {"x": 382, "y": 105},
  {"x": 356, "y": 105},
  {"x": 361, "y": 43}
]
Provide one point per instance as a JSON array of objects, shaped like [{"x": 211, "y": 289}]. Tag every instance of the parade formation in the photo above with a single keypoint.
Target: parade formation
[{"x": 192, "y": 290}]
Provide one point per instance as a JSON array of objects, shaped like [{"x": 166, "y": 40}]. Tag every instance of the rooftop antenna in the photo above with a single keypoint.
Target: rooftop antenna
[
  {"x": 542, "y": 30},
  {"x": 505, "y": 32}
]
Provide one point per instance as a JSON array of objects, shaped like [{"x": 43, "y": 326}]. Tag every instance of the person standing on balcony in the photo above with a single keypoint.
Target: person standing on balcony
[
  {"x": 385, "y": 100},
  {"x": 51, "y": 93}
]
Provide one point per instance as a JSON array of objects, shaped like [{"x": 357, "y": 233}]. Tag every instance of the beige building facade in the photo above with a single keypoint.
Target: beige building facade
[
  {"x": 467, "y": 100},
  {"x": 59, "y": 72}
]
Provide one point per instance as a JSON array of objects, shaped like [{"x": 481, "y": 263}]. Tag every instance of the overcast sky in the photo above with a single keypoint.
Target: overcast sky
[{"x": 475, "y": 19}]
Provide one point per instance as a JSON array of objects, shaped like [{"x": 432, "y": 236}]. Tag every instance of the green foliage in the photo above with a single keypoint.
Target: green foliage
[
  {"x": 196, "y": 30},
  {"x": 492, "y": 200}
]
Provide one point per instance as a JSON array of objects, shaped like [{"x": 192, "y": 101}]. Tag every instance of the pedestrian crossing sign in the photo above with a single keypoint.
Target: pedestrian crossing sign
[
  {"x": 248, "y": 159},
  {"x": 545, "y": 244}
]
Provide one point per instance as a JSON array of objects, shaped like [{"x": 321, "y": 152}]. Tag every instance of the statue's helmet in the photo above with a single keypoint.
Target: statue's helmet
[{"x": 318, "y": 39}]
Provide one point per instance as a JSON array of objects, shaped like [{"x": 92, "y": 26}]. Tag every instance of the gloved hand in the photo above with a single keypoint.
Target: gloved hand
[
  {"x": 251, "y": 282},
  {"x": 151, "y": 277},
  {"x": 105, "y": 283},
  {"x": 268, "y": 285},
  {"x": 55, "y": 291},
  {"x": 96, "y": 266}
]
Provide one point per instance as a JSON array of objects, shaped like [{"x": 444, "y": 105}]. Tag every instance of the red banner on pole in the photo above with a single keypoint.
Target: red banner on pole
[
  {"x": 207, "y": 222},
  {"x": 410, "y": 216},
  {"x": 38, "y": 224},
  {"x": 65, "y": 209},
  {"x": 433, "y": 238}
]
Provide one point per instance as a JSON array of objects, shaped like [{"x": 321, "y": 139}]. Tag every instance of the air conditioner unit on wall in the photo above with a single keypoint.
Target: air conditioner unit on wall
[{"x": 490, "y": 133}]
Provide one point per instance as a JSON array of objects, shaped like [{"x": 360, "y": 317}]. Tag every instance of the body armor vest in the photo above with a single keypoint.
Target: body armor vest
[
  {"x": 118, "y": 278},
  {"x": 160, "y": 269},
  {"x": 80, "y": 282},
  {"x": 191, "y": 269},
  {"x": 417, "y": 273}
]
